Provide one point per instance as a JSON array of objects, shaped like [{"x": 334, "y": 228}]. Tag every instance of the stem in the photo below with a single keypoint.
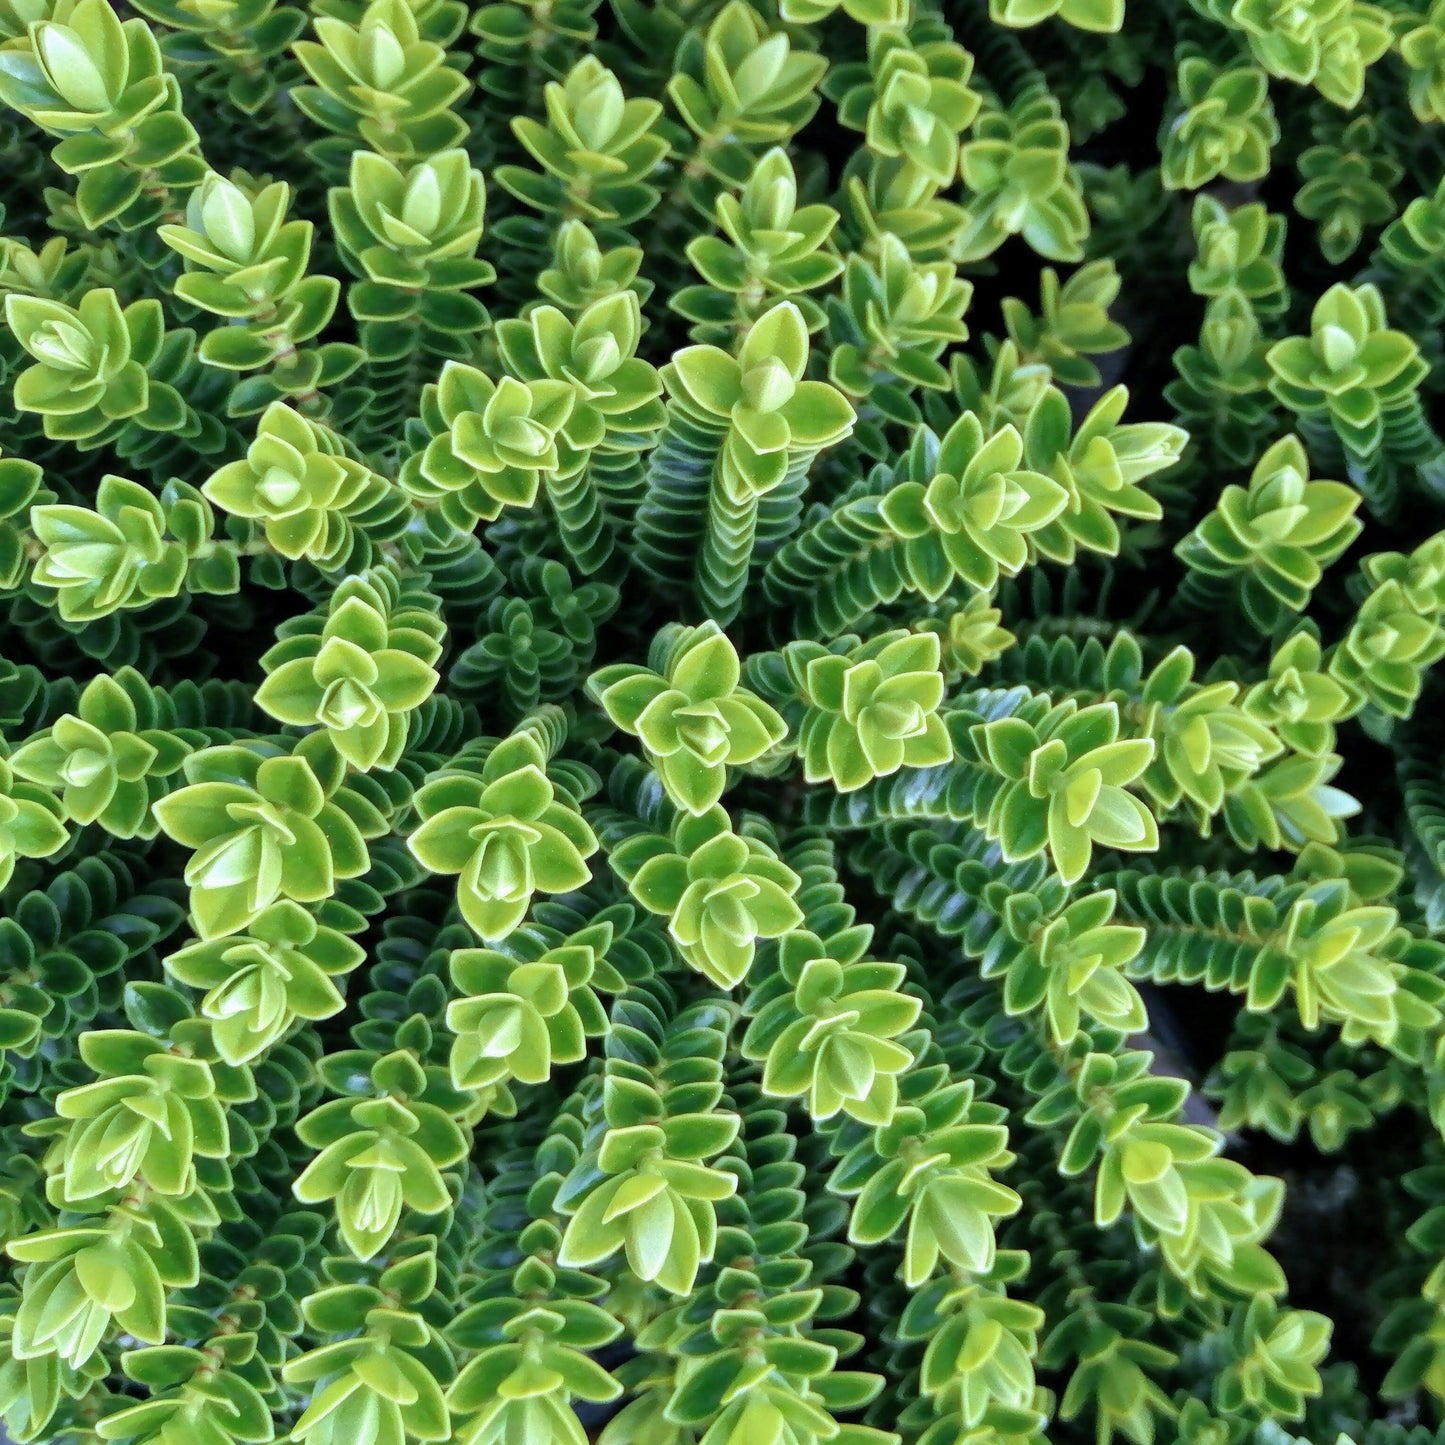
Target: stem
[
  {"x": 580, "y": 518},
  {"x": 727, "y": 551}
]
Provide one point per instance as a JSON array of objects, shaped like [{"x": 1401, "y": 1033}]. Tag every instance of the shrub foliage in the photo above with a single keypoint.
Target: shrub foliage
[{"x": 718, "y": 722}]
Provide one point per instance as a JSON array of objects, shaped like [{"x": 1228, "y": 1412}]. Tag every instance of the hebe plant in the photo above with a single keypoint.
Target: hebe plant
[{"x": 718, "y": 722}]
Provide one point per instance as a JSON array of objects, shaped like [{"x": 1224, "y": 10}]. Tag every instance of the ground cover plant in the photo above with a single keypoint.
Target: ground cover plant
[{"x": 720, "y": 722}]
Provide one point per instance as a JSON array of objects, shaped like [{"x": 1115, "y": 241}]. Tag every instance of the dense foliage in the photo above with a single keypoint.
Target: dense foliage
[{"x": 718, "y": 722}]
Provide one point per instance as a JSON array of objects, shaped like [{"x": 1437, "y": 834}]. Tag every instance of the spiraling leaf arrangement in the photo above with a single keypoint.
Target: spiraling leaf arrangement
[{"x": 719, "y": 722}]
